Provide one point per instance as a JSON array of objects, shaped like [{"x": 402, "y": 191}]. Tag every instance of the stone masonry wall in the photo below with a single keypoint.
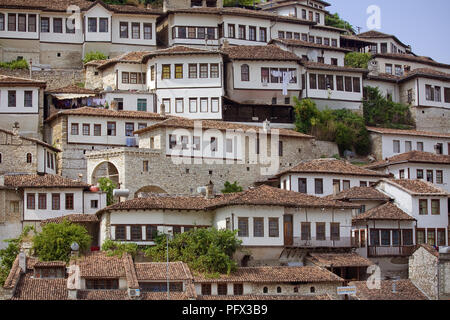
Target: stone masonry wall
[
  {"x": 10, "y": 220},
  {"x": 56, "y": 78},
  {"x": 14, "y": 152},
  {"x": 423, "y": 272},
  {"x": 432, "y": 119}
]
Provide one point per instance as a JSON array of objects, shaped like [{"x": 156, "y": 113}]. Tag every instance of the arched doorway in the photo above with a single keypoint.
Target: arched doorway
[
  {"x": 105, "y": 170},
  {"x": 148, "y": 190}
]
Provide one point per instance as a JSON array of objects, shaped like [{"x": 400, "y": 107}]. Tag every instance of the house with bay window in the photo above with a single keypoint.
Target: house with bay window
[
  {"x": 384, "y": 43},
  {"x": 78, "y": 131}
]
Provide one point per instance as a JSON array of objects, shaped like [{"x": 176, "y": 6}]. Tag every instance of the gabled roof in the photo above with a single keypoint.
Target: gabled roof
[
  {"x": 387, "y": 211},
  {"x": 134, "y": 57},
  {"x": 409, "y": 132},
  {"x": 309, "y": 274},
  {"x": 30, "y": 288},
  {"x": 100, "y": 265},
  {"x": 372, "y": 34},
  {"x": 306, "y": 44},
  {"x": 405, "y": 290},
  {"x": 332, "y": 166},
  {"x": 411, "y": 58},
  {"x": 101, "y": 112},
  {"x": 178, "y": 122},
  {"x": 178, "y": 50},
  {"x": 37, "y": 141},
  {"x": 359, "y": 193},
  {"x": 412, "y": 156},
  {"x": 337, "y": 260},
  {"x": 75, "y": 218},
  {"x": 328, "y": 67},
  {"x": 426, "y": 73},
  {"x": 158, "y": 271},
  {"x": 417, "y": 187},
  {"x": 266, "y": 52},
  {"x": 9, "y": 81},
  {"x": 42, "y": 181}
]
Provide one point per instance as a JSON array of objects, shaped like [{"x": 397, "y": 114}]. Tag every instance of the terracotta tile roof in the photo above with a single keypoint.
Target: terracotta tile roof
[
  {"x": 306, "y": 44},
  {"x": 263, "y": 195},
  {"x": 429, "y": 248},
  {"x": 356, "y": 38},
  {"x": 72, "y": 89},
  {"x": 101, "y": 112},
  {"x": 158, "y": 271},
  {"x": 102, "y": 295},
  {"x": 177, "y": 122},
  {"x": 99, "y": 265},
  {"x": 412, "y": 156},
  {"x": 387, "y": 211},
  {"x": 372, "y": 34},
  {"x": 417, "y": 187},
  {"x": 130, "y": 271},
  {"x": 322, "y": 66},
  {"x": 75, "y": 218},
  {"x": 384, "y": 77},
  {"x": 337, "y": 260},
  {"x": 426, "y": 73},
  {"x": 50, "y": 264},
  {"x": 178, "y": 50},
  {"x": 267, "y": 52},
  {"x": 42, "y": 181},
  {"x": 128, "y": 57},
  {"x": 6, "y": 81},
  {"x": 411, "y": 58},
  {"x": 310, "y": 274},
  {"x": 95, "y": 63},
  {"x": 42, "y": 143},
  {"x": 332, "y": 166},
  {"x": 405, "y": 290},
  {"x": 13, "y": 276},
  {"x": 359, "y": 193},
  {"x": 29, "y": 288},
  {"x": 268, "y": 297},
  {"x": 408, "y": 132}
]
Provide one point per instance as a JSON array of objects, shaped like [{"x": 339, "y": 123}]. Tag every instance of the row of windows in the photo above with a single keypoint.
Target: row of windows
[
  {"x": 133, "y": 77},
  {"x": 311, "y": 15},
  {"x": 429, "y": 175},
  {"x": 160, "y": 286},
  {"x": 305, "y": 231},
  {"x": 242, "y": 33},
  {"x": 56, "y": 201},
  {"x": 435, "y": 207},
  {"x": 325, "y": 82},
  {"x": 202, "y": 70},
  {"x": 434, "y": 93},
  {"x": 308, "y": 38},
  {"x": 398, "y": 69},
  {"x": 111, "y": 129},
  {"x": 222, "y": 289},
  {"x": 387, "y": 237},
  {"x": 141, "y": 105},
  {"x": 429, "y": 236},
  {"x": 27, "y": 99},
  {"x": 303, "y": 185},
  {"x": 135, "y": 30},
  {"x": 270, "y": 75},
  {"x": 150, "y": 231},
  {"x": 183, "y": 32},
  {"x": 384, "y": 48},
  {"x": 18, "y": 22},
  {"x": 203, "y": 105},
  {"x": 439, "y": 147}
]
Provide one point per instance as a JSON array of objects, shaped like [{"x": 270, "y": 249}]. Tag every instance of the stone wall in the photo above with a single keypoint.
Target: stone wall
[
  {"x": 423, "y": 272},
  {"x": 377, "y": 146},
  {"x": 304, "y": 289},
  {"x": 432, "y": 119},
  {"x": 10, "y": 220},
  {"x": 444, "y": 276},
  {"x": 14, "y": 152},
  {"x": 56, "y": 78}
]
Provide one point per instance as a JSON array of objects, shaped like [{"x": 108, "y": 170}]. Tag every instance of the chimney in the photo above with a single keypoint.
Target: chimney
[
  {"x": 23, "y": 261},
  {"x": 73, "y": 281},
  {"x": 266, "y": 125},
  {"x": 162, "y": 110},
  {"x": 16, "y": 128},
  {"x": 114, "y": 105},
  {"x": 210, "y": 190}
]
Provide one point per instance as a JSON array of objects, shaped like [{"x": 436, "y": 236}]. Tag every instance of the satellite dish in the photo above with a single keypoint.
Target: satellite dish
[{"x": 75, "y": 246}]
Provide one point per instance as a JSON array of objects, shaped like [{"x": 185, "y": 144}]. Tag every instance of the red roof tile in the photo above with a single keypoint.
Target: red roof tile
[
  {"x": 329, "y": 260},
  {"x": 42, "y": 181},
  {"x": 100, "y": 265},
  {"x": 387, "y": 211},
  {"x": 359, "y": 193},
  {"x": 307, "y": 44},
  {"x": 6, "y": 81},
  {"x": 158, "y": 271},
  {"x": 412, "y": 156},
  {"x": 75, "y": 218},
  {"x": 42, "y": 143},
  {"x": 417, "y": 187},
  {"x": 267, "y": 52},
  {"x": 408, "y": 132},
  {"x": 30, "y": 288},
  {"x": 405, "y": 290}
]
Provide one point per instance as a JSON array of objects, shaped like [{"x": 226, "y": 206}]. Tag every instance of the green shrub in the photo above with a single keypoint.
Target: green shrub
[
  {"x": 118, "y": 248},
  {"x": 97, "y": 55},
  {"x": 357, "y": 60},
  {"x": 231, "y": 187},
  {"x": 15, "y": 64},
  {"x": 108, "y": 186},
  {"x": 333, "y": 20}
]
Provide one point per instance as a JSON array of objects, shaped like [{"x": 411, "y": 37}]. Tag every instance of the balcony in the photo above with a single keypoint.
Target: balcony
[
  {"x": 403, "y": 251},
  {"x": 343, "y": 242}
]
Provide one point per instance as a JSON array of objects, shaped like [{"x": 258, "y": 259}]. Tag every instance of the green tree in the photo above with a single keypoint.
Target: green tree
[
  {"x": 207, "y": 251},
  {"x": 53, "y": 243},
  {"x": 334, "y": 20},
  {"x": 118, "y": 248},
  {"x": 357, "y": 59},
  {"x": 9, "y": 254},
  {"x": 231, "y": 187},
  {"x": 108, "y": 186},
  {"x": 97, "y": 55},
  {"x": 234, "y": 3},
  {"x": 307, "y": 115}
]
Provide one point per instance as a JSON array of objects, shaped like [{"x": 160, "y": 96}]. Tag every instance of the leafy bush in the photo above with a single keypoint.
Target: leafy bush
[
  {"x": 335, "y": 21},
  {"x": 97, "y": 55},
  {"x": 108, "y": 186},
  {"x": 118, "y": 248},
  {"x": 231, "y": 187},
  {"x": 383, "y": 112},
  {"x": 233, "y": 3},
  {"x": 344, "y": 127},
  {"x": 54, "y": 242},
  {"x": 207, "y": 251},
  {"x": 357, "y": 59},
  {"x": 15, "y": 64}
]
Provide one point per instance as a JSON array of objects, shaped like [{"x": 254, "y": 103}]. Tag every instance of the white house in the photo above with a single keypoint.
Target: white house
[
  {"x": 21, "y": 100},
  {"x": 391, "y": 142},
  {"x": 51, "y": 196},
  {"x": 384, "y": 43},
  {"x": 324, "y": 177}
]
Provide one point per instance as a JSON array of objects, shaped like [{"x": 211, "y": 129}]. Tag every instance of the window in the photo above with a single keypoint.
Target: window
[
  {"x": 419, "y": 146},
  {"x": 11, "y": 98},
  {"x": 430, "y": 176},
  {"x": 258, "y": 227},
  {"x": 231, "y": 31},
  {"x": 252, "y": 33},
  {"x": 243, "y": 227},
  {"x": 388, "y": 68},
  {"x": 129, "y": 129},
  {"x": 125, "y": 77},
  {"x": 312, "y": 39},
  {"x": 222, "y": 289},
  {"x": 148, "y": 33},
  {"x": 111, "y": 129},
  {"x": 335, "y": 231},
  {"x": 431, "y": 237},
  {"x": 356, "y": 85},
  {"x": 374, "y": 237},
  {"x": 2, "y": 22},
  {"x": 29, "y": 158},
  {"x": 447, "y": 95},
  {"x": 192, "y": 34},
  {"x": 120, "y": 233},
  {"x": 419, "y": 174},
  {"x": 214, "y": 69},
  {"x": 305, "y": 231},
  {"x": 280, "y": 148},
  {"x": 192, "y": 71},
  {"x": 15, "y": 206},
  {"x": 152, "y": 73},
  {"x": 429, "y": 93},
  {"x": 330, "y": 82},
  {"x": 22, "y": 23},
  {"x": 238, "y": 289},
  {"x": 192, "y": 105},
  {"x": 28, "y": 99},
  {"x": 136, "y": 233},
  {"x": 86, "y": 129},
  {"x": 57, "y": 25},
  {"x": 211, "y": 33},
  {"x": 69, "y": 201},
  {"x": 135, "y": 30},
  {"x": 203, "y": 104},
  {"x": 70, "y": 25},
  {"x": 151, "y": 232},
  {"x": 322, "y": 82},
  {"x": 196, "y": 143},
  {"x": 172, "y": 141},
  {"x": 213, "y": 144},
  {"x": 385, "y": 237},
  {"x": 340, "y": 83},
  {"x": 103, "y": 25},
  {"x": 179, "y": 105},
  {"x": 133, "y": 78},
  {"x": 31, "y": 201},
  {"x": 74, "y": 129},
  {"x": 402, "y": 174},
  {"x": 318, "y": 186},
  {"x": 318, "y": 17},
  {"x": 334, "y": 43},
  {"x": 166, "y": 71},
  {"x": 245, "y": 72},
  {"x": 320, "y": 59},
  {"x": 45, "y": 25},
  {"x": 304, "y": 14},
  {"x": 420, "y": 236},
  {"x": 312, "y": 81},
  {"x": 408, "y": 146},
  {"x": 203, "y": 70},
  {"x": 273, "y": 228},
  {"x": 263, "y": 34},
  {"x": 346, "y": 184},
  {"x": 214, "y": 105},
  {"x": 94, "y": 204},
  {"x": 319, "y": 40},
  {"x": 206, "y": 289},
  {"x": 435, "y": 207},
  {"x": 407, "y": 237},
  {"x": 11, "y": 22},
  {"x": 439, "y": 177},
  {"x": 423, "y": 207},
  {"x": 141, "y": 104},
  {"x": 166, "y": 103},
  {"x": 145, "y": 166},
  {"x": 437, "y": 94},
  {"x": 320, "y": 231},
  {"x": 42, "y": 201},
  {"x": 102, "y": 284},
  {"x": 396, "y": 146},
  {"x": 123, "y": 30},
  {"x": 441, "y": 237},
  {"x": 348, "y": 84},
  {"x": 92, "y": 24},
  {"x": 241, "y": 34},
  {"x": 302, "y": 185}
]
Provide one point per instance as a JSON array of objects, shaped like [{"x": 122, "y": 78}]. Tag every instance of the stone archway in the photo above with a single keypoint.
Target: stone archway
[
  {"x": 105, "y": 169},
  {"x": 148, "y": 190}
]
